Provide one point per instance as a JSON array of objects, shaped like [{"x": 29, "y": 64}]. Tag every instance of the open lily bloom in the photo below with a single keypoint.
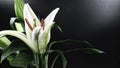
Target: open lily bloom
[{"x": 37, "y": 32}]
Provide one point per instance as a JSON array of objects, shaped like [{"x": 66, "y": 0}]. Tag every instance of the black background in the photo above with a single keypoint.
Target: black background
[{"x": 96, "y": 21}]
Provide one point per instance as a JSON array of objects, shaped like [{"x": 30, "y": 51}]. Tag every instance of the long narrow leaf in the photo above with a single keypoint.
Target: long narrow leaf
[
  {"x": 4, "y": 42},
  {"x": 19, "y": 27},
  {"x": 60, "y": 53},
  {"x": 69, "y": 41},
  {"x": 18, "y": 6},
  {"x": 58, "y": 27},
  {"x": 86, "y": 50},
  {"x": 12, "y": 48},
  {"x": 21, "y": 60},
  {"x": 55, "y": 59},
  {"x": 91, "y": 50}
]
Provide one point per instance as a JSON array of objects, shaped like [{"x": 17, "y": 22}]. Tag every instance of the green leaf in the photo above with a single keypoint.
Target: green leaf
[
  {"x": 60, "y": 53},
  {"x": 18, "y": 7},
  {"x": 68, "y": 41},
  {"x": 86, "y": 50},
  {"x": 12, "y": 48},
  {"x": 16, "y": 24},
  {"x": 19, "y": 27},
  {"x": 58, "y": 27},
  {"x": 91, "y": 50},
  {"x": 55, "y": 59},
  {"x": 4, "y": 42},
  {"x": 31, "y": 66},
  {"x": 21, "y": 60}
]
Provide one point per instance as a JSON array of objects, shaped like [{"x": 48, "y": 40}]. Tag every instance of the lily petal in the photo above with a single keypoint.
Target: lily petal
[
  {"x": 31, "y": 15},
  {"x": 35, "y": 35},
  {"x": 19, "y": 35},
  {"x": 44, "y": 36},
  {"x": 32, "y": 18},
  {"x": 49, "y": 19}
]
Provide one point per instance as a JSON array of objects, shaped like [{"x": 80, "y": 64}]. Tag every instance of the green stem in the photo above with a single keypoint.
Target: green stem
[
  {"x": 46, "y": 61},
  {"x": 41, "y": 61},
  {"x": 37, "y": 61}
]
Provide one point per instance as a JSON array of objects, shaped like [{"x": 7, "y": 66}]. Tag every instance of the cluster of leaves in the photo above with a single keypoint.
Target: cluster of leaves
[{"x": 20, "y": 55}]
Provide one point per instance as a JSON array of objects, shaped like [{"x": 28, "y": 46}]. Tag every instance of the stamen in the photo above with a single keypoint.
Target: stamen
[
  {"x": 28, "y": 24},
  {"x": 34, "y": 22},
  {"x": 43, "y": 24}
]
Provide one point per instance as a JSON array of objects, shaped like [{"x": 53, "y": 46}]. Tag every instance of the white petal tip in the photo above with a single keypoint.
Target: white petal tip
[{"x": 57, "y": 9}]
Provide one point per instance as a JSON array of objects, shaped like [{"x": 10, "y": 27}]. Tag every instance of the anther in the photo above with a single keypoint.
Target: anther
[
  {"x": 43, "y": 24},
  {"x": 28, "y": 24}
]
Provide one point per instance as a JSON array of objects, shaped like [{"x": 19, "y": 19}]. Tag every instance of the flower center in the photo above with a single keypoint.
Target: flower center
[{"x": 31, "y": 28}]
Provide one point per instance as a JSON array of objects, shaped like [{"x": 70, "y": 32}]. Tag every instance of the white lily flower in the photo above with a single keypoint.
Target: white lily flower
[{"x": 37, "y": 32}]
